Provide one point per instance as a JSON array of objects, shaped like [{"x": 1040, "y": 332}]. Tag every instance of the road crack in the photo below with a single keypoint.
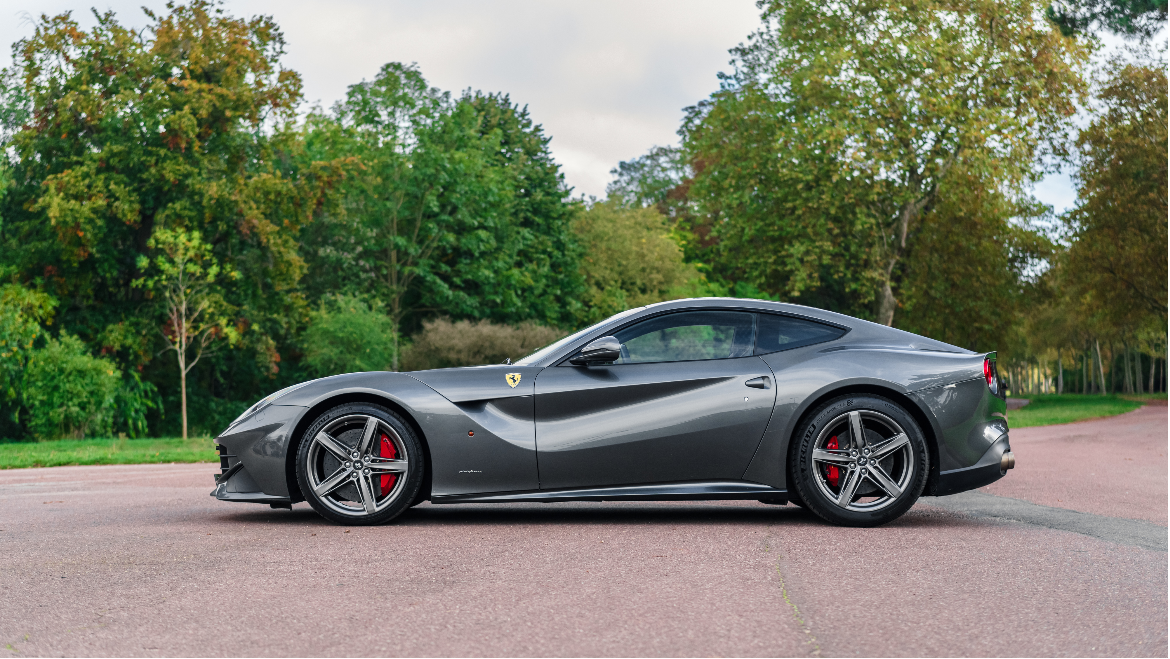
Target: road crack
[{"x": 811, "y": 639}]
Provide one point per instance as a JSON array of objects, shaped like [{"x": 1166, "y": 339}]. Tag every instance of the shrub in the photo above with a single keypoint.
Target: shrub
[
  {"x": 69, "y": 393},
  {"x": 443, "y": 343},
  {"x": 347, "y": 335}
]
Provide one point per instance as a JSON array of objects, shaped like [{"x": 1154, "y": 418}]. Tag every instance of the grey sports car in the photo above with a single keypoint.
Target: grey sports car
[{"x": 712, "y": 398}]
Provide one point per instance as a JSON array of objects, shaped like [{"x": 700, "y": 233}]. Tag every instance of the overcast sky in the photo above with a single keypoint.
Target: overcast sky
[{"x": 608, "y": 79}]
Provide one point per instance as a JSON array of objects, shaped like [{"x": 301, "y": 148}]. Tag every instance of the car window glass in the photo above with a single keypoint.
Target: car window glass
[
  {"x": 777, "y": 333},
  {"x": 688, "y": 336}
]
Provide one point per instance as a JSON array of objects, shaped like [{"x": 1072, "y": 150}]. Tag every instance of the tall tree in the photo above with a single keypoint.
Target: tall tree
[
  {"x": 455, "y": 207},
  {"x": 842, "y": 120},
  {"x": 182, "y": 276},
  {"x": 1117, "y": 256},
  {"x": 183, "y": 125}
]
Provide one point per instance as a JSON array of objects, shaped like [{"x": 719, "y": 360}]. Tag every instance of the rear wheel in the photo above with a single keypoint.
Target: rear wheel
[
  {"x": 860, "y": 461},
  {"x": 360, "y": 464}
]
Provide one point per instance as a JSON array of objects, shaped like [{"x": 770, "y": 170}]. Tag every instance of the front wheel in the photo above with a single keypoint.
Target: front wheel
[
  {"x": 360, "y": 464},
  {"x": 859, "y": 461}
]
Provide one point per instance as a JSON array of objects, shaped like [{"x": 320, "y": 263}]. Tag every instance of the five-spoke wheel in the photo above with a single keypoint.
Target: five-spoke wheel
[
  {"x": 861, "y": 461},
  {"x": 359, "y": 464}
]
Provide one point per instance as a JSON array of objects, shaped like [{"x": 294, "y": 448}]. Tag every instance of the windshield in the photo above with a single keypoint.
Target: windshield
[{"x": 553, "y": 347}]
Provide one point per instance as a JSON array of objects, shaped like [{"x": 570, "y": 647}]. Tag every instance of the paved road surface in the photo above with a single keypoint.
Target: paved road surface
[{"x": 140, "y": 561}]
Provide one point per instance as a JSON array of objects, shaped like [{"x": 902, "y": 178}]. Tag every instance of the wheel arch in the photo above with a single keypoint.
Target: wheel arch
[
  {"x": 908, "y": 401},
  {"x": 318, "y": 408}
]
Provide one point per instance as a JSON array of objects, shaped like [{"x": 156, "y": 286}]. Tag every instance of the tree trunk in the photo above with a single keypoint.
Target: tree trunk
[
  {"x": 1059, "y": 375},
  {"x": 183, "y": 387},
  {"x": 1126, "y": 385},
  {"x": 1100, "y": 366},
  {"x": 887, "y": 305},
  {"x": 1153, "y": 363},
  {"x": 1084, "y": 373}
]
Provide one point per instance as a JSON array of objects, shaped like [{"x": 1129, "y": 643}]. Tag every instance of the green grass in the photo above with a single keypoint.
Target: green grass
[
  {"x": 1050, "y": 409},
  {"x": 17, "y": 455}
]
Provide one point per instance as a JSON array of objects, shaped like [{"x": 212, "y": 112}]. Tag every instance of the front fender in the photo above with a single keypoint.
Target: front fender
[{"x": 474, "y": 448}]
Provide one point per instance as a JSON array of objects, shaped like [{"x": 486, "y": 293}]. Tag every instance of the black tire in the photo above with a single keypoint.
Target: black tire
[
  {"x": 854, "y": 495},
  {"x": 346, "y": 504}
]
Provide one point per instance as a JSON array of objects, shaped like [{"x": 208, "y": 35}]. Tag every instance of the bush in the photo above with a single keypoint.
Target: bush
[
  {"x": 69, "y": 393},
  {"x": 347, "y": 335},
  {"x": 442, "y": 343}
]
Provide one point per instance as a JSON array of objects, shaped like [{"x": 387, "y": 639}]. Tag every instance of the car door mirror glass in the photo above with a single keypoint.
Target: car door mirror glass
[{"x": 605, "y": 350}]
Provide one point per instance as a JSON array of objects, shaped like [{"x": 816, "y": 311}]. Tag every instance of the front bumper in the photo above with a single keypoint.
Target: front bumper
[
  {"x": 987, "y": 470},
  {"x": 253, "y": 457}
]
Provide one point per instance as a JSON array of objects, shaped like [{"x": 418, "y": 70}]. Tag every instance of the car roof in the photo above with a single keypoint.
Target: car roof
[{"x": 861, "y": 332}]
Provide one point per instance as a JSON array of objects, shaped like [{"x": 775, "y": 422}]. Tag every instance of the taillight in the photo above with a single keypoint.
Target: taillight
[{"x": 989, "y": 375}]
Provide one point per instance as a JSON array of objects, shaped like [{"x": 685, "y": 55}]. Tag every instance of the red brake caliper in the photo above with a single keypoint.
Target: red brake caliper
[
  {"x": 834, "y": 475},
  {"x": 386, "y": 450}
]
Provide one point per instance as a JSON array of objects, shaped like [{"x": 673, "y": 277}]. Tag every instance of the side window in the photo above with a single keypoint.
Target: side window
[
  {"x": 777, "y": 333},
  {"x": 688, "y": 336}
]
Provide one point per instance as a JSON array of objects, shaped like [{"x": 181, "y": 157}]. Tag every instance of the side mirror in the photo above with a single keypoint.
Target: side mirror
[{"x": 601, "y": 351}]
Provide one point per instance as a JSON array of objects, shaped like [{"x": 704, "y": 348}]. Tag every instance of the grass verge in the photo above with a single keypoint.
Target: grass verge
[
  {"x": 1051, "y": 409},
  {"x": 18, "y": 455}
]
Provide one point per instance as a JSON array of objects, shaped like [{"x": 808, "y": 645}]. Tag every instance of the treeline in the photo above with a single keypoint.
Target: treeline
[
  {"x": 876, "y": 159},
  {"x": 179, "y": 236}
]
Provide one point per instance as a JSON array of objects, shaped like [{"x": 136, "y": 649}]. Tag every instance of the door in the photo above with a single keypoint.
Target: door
[{"x": 686, "y": 401}]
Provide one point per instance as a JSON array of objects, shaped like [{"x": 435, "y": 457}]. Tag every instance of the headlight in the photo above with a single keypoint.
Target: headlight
[{"x": 264, "y": 402}]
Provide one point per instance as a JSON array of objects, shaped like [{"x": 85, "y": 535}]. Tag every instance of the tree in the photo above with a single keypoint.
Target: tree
[
  {"x": 1117, "y": 256},
  {"x": 967, "y": 278},
  {"x": 1141, "y": 18},
  {"x": 630, "y": 260},
  {"x": 456, "y": 206},
  {"x": 831, "y": 140},
  {"x": 183, "y": 277},
  {"x": 188, "y": 124}
]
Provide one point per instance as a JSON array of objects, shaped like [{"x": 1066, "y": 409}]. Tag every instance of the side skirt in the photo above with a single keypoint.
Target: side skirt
[{"x": 693, "y": 491}]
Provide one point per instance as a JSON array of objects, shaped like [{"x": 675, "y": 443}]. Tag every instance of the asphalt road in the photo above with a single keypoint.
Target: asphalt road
[{"x": 1066, "y": 556}]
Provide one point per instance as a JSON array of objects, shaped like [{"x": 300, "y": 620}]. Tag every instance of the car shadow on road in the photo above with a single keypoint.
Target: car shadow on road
[{"x": 609, "y": 513}]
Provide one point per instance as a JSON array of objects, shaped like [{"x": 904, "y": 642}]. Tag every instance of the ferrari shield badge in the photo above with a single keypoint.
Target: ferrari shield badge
[{"x": 513, "y": 379}]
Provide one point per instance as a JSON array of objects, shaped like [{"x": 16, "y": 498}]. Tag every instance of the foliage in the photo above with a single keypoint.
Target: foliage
[
  {"x": 1051, "y": 409},
  {"x": 653, "y": 179},
  {"x": 1117, "y": 256},
  {"x": 966, "y": 277},
  {"x": 1127, "y": 17},
  {"x": 347, "y": 335},
  {"x": 630, "y": 260},
  {"x": 457, "y": 206},
  {"x": 105, "y": 451},
  {"x": 186, "y": 125},
  {"x": 22, "y": 313},
  {"x": 68, "y": 392},
  {"x": 183, "y": 276},
  {"x": 443, "y": 343},
  {"x": 823, "y": 152}
]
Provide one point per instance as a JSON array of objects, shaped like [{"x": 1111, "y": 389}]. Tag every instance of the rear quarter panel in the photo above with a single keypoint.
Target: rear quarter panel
[{"x": 808, "y": 376}]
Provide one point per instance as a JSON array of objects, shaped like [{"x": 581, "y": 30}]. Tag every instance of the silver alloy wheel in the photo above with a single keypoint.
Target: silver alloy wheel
[
  {"x": 347, "y": 471},
  {"x": 874, "y": 457}
]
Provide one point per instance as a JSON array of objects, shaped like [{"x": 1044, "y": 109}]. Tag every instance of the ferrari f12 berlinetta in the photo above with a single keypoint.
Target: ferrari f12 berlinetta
[{"x": 694, "y": 399}]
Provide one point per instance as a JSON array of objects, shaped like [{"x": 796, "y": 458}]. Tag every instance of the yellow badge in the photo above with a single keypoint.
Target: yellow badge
[{"x": 513, "y": 379}]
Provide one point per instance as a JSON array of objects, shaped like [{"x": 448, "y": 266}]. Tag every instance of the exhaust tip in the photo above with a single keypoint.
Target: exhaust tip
[{"x": 1008, "y": 461}]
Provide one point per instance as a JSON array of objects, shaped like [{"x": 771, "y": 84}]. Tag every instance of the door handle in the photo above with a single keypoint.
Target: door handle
[{"x": 762, "y": 382}]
